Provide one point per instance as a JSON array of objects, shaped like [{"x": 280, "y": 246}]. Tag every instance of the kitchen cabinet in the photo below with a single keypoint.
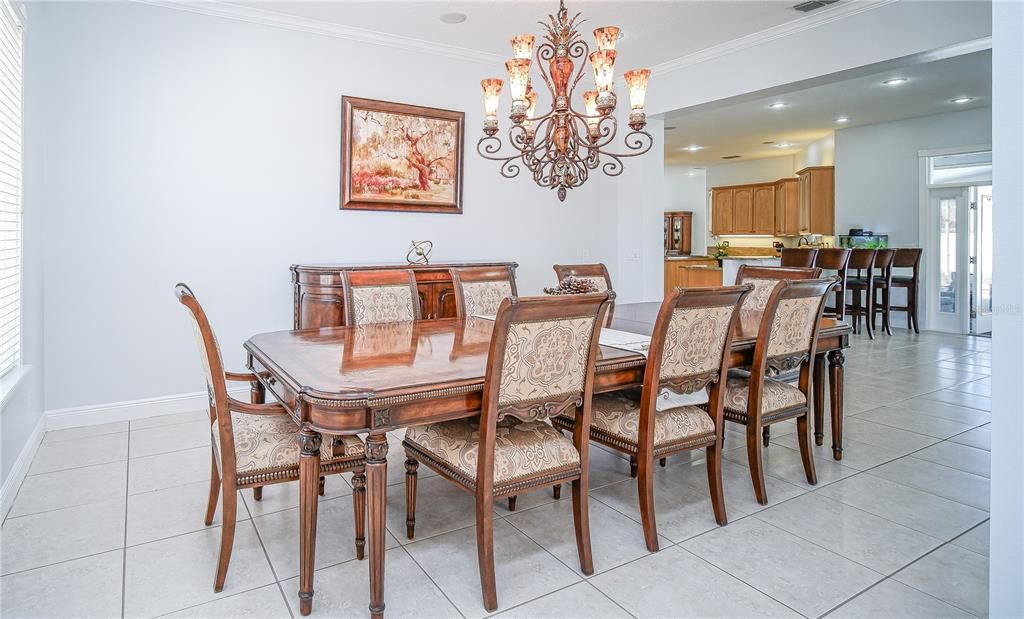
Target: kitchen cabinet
[
  {"x": 692, "y": 274},
  {"x": 764, "y": 209},
  {"x": 817, "y": 200},
  {"x": 743, "y": 210},
  {"x": 678, "y": 233},
  {"x": 787, "y": 207},
  {"x": 721, "y": 210}
]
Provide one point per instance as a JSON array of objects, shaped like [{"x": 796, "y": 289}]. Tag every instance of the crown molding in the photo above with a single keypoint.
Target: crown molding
[
  {"x": 808, "y": 22},
  {"x": 264, "y": 17}
]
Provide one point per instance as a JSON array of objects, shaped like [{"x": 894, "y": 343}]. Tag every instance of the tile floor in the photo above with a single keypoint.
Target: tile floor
[{"x": 109, "y": 522}]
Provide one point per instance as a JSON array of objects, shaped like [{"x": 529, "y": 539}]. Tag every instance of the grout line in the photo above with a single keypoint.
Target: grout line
[
  {"x": 124, "y": 541},
  {"x": 431, "y": 579},
  {"x": 263, "y": 546}
]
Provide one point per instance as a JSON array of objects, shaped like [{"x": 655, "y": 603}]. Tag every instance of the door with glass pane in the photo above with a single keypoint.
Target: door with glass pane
[
  {"x": 949, "y": 289},
  {"x": 980, "y": 259}
]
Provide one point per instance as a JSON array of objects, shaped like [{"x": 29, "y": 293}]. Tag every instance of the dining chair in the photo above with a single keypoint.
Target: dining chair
[
  {"x": 540, "y": 364},
  {"x": 786, "y": 339},
  {"x": 763, "y": 280},
  {"x": 596, "y": 274},
  {"x": 798, "y": 256},
  {"x": 907, "y": 258},
  {"x": 256, "y": 444},
  {"x": 689, "y": 352},
  {"x": 479, "y": 291},
  {"x": 835, "y": 259},
  {"x": 380, "y": 296},
  {"x": 882, "y": 285},
  {"x": 862, "y": 263}
]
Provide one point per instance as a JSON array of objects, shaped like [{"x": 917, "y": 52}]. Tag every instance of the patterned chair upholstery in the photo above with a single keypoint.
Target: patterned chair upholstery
[
  {"x": 776, "y": 395},
  {"x": 373, "y": 297},
  {"x": 763, "y": 279},
  {"x": 479, "y": 291},
  {"x": 618, "y": 416},
  {"x": 597, "y": 274}
]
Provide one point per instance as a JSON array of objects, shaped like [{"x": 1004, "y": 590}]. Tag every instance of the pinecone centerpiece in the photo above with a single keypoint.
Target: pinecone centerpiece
[{"x": 572, "y": 285}]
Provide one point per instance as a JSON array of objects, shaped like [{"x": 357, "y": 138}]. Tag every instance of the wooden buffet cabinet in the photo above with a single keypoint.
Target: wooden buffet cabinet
[
  {"x": 786, "y": 207},
  {"x": 678, "y": 232},
  {"x": 319, "y": 300}
]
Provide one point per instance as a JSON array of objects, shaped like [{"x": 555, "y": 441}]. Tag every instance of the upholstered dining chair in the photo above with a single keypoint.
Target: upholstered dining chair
[
  {"x": 480, "y": 290},
  {"x": 798, "y": 256},
  {"x": 689, "y": 352},
  {"x": 862, "y": 288},
  {"x": 540, "y": 364},
  {"x": 907, "y": 258},
  {"x": 787, "y": 337},
  {"x": 835, "y": 259},
  {"x": 256, "y": 444},
  {"x": 596, "y": 274},
  {"x": 380, "y": 296},
  {"x": 882, "y": 286},
  {"x": 763, "y": 280}
]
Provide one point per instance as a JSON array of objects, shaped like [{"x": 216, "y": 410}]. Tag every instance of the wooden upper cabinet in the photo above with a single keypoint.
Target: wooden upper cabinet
[
  {"x": 787, "y": 207},
  {"x": 764, "y": 209},
  {"x": 817, "y": 200},
  {"x": 678, "y": 232},
  {"x": 722, "y": 211},
  {"x": 743, "y": 210}
]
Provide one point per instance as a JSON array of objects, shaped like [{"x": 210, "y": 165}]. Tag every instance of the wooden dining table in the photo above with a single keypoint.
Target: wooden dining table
[{"x": 372, "y": 379}]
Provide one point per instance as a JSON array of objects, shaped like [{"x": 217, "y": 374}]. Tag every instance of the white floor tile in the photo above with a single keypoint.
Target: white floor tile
[
  {"x": 43, "y": 539},
  {"x": 164, "y": 439},
  {"x": 85, "y": 451},
  {"x": 86, "y": 587},
  {"x": 954, "y": 575},
  {"x": 92, "y": 484},
  {"x": 889, "y": 599},
  {"x": 172, "y": 511},
  {"x": 263, "y": 603}
]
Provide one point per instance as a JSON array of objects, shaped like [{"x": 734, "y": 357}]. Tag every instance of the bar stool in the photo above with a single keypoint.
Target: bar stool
[
  {"x": 798, "y": 257},
  {"x": 908, "y": 258},
  {"x": 835, "y": 259},
  {"x": 883, "y": 283},
  {"x": 861, "y": 260}
]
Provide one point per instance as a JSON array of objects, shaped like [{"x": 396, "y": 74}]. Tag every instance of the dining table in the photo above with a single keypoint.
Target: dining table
[{"x": 373, "y": 379}]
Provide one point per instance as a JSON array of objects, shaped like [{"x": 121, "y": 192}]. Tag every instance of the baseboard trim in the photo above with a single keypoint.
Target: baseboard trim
[
  {"x": 13, "y": 482},
  {"x": 78, "y": 416}
]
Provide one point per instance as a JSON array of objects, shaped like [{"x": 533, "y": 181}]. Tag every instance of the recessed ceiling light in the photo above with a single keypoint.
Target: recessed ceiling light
[
  {"x": 453, "y": 18},
  {"x": 768, "y": 143},
  {"x": 895, "y": 81},
  {"x": 693, "y": 148},
  {"x": 842, "y": 119},
  {"x": 692, "y": 173},
  {"x": 778, "y": 105},
  {"x": 783, "y": 145},
  {"x": 962, "y": 100}
]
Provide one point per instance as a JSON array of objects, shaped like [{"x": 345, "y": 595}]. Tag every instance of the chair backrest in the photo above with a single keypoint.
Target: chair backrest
[
  {"x": 908, "y": 257},
  {"x": 540, "y": 363},
  {"x": 763, "y": 279},
  {"x": 594, "y": 273},
  {"x": 380, "y": 296},
  {"x": 788, "y": 333},
  {"x": 832, "y": 258},
  {"x": 480, "y": 290},
  {"x": 883, "y": 263},
  {"x": 861, "y": 258},
  {"x": 798, "y": 257}
]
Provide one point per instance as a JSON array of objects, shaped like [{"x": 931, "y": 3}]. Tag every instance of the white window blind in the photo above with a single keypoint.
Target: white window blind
[{"x": 10, "y": 187}]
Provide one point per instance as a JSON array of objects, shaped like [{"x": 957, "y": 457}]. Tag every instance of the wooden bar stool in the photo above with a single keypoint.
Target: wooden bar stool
[
  {"x": 861, "y": 260},
  {"x": 835, "y": 259},
  {"x": 883, "y": 284},
  {"x": 798, "y": 257},
  {"x": 908, "y": 258}
]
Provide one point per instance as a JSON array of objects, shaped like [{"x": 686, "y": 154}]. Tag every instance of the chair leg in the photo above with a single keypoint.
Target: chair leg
[
  {"x": 512, "y": 503},
  {"x": 912, "y": 302},
  {"x": 886, "y": 310},
  {"x": 662, "y": 462},
  {"x": 855, "y": 312},
  {"x": 803, "y": 433},
  {"x": 556, "y": 491},
  {"x": 632, "y": 466},
  {"x": 869, "y": 319},
  {"x": 766, "y": 436},
  {"x": 359, "y": 510},
  {"x": 257, "y": 493},
  {"x": 714, "y": 465},
  {"x": 227, "y": 536},
  {"x": 648, "y": 519},
  {"x": 754, "y": 459},
  {"x": 581, "y": 522},
  {"x": 321, "y": 488},
  {"x": 410, "y": 497},
  {"x": 211, "y": 504},
  {"x": 485, "y": 551}
]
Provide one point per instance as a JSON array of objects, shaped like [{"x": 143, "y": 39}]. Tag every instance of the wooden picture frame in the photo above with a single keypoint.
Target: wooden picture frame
[{"x": 385, "y": 165}]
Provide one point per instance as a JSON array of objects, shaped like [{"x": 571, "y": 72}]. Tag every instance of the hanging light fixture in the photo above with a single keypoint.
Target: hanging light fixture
[{"x": 562, "y": 146}]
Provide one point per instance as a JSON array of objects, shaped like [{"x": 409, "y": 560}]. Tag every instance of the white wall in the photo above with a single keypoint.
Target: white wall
[
  {"x": 1006, "y": 563},
  {"x": 183, "y": 147},
  {"x": 818, "y": 152},
  {"x": 877, "y": 169},
  {"x": 765, "y": 170},
  {"x": 684, "y": 192}
]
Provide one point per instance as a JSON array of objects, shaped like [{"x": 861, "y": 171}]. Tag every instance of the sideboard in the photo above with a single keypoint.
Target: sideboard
[{"x": 319, "y": 300}]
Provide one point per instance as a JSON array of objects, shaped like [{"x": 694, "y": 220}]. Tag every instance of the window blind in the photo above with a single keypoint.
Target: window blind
[{"x": 10, "y": 187}]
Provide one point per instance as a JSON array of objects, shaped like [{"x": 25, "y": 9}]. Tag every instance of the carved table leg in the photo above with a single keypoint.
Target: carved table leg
[
  {"x": 257, "y": 394},
  {"x": 819, "y": 398},
  {"x": 836, "y": 359},
  {"x": 376, "y": 502},
  {"x": 309, "y": 483}
]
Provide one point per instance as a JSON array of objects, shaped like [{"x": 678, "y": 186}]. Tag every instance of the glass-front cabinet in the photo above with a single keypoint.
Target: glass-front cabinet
[{"x": 678, "y": 231}]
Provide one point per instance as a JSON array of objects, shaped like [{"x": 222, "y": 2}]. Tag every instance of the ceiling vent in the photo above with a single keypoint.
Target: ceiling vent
[
  {"x": 810, "y": 5},
  {"x": 731, "y": 157}
]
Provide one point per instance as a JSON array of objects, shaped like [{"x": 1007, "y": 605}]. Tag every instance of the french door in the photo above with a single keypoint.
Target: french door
[{"x": 961, "y": 290}]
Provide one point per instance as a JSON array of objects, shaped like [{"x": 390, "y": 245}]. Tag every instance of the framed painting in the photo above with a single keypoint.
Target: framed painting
[{"x": 398, "y": 157}]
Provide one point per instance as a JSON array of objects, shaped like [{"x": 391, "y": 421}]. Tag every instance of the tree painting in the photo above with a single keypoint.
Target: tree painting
[{"x": 403, "y": 157}]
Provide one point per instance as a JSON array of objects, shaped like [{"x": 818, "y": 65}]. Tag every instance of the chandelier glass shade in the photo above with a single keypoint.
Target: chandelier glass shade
[{"x": 562, "y": 146}]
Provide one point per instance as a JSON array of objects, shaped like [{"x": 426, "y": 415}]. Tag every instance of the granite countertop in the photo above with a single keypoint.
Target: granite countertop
[
  {"x": 750, "y": 257},
  {"x": 689, "y": 258}
]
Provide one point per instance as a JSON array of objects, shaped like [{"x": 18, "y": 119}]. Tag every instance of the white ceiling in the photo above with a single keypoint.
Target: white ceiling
[
  {"x": 741, "y": 128},
  {"x": 655, "y": 32}
]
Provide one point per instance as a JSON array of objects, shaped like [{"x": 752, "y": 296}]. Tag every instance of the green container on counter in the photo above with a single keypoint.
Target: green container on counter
[{"x": 874, "y": 241}]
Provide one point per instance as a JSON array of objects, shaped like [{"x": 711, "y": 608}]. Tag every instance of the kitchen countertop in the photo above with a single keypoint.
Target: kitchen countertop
[
  {"x": 683, "y": 258},
  {"x": 750, "y": 257}
]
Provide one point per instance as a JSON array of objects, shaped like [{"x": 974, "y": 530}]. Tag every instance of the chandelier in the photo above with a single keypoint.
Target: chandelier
[{"x": 562, "y": 146}]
